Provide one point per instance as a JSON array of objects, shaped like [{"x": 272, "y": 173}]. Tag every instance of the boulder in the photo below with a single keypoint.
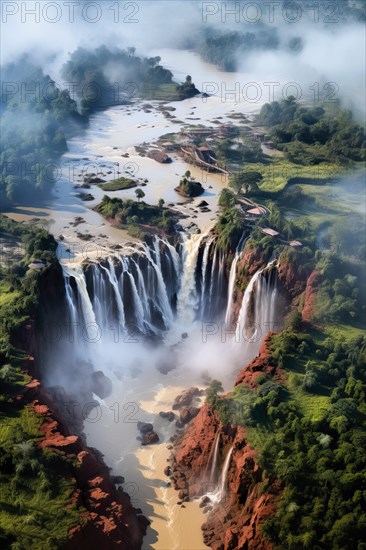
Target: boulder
[
  {"x": 187, "y": 413},
  {"x": 185, "y": 398},
  {"x": 144, "y": 427},
  {"x": 101, "y": 385},
  {"x": 149, "y": 438}
]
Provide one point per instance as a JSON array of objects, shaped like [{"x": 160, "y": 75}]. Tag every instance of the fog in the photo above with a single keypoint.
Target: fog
[{"x": 330, "y": 49}]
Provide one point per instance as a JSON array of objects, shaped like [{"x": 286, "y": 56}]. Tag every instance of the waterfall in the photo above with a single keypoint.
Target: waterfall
[
  {"x": 215, "y": 457},
  {"x": 86, "y": 305},
  {"x": 111, "y": 274},
  {"x": 138, "y": 289},
  {"x": 160, "y": 288},
  {"x": 163, "y": 290},
  {"x": 258, "y": 311},
  {"x": 188, "y": 301},
  {"x": 225, "y": 470},
  {"x": 232, "y": 278},
  {"x": 204, "y": 270}
]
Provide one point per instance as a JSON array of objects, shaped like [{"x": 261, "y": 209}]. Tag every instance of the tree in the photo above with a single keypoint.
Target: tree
[
  {"x": 161, "y": 203},
  {"x": 214, "y": 388},
  {"x": 227, "y": 198},
  {"x": 139, "y": 194},
  {"x": 237, "y": 182}
]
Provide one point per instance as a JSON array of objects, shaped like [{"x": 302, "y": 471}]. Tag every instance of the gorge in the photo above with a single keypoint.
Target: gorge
[
  {"x": 181, "y": 372},
  {"x": 154, "y": 308}
]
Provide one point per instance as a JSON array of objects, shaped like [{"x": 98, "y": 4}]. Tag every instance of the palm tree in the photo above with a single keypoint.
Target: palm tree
[
  {"x": 26, "y": 449},
  {"x": 6, "y": 373},
  {"x": 237, "y": 182},
  {"x": 139, "y": 194}
]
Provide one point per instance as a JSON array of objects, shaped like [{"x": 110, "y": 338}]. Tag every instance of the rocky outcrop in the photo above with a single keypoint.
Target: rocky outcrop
[
  {"x": 107, "y": 519},
  {"x": 186, "y": 414},
  {"x": 248, "y": 498},
  {"x": 148, "y": 436},
  {"x": 293, "y": 277},
  {"x": 262, "y": 364},
  {"x": 185, "y": 398},
  {"x": 169, "y": 415},
  {"x": 311, "y": 291}
]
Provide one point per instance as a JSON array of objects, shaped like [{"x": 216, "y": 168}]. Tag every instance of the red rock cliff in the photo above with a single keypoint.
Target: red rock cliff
[
  {"x": 108, "y": 521},
  {"x": 235, "y": 522}
]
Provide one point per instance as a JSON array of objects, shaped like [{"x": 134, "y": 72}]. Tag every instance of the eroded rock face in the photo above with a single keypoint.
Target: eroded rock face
[
  {"x": 185, "y": 398},
  {"x": 149, "y": 437},
  {"x": 234, "y": 524},
  {"x": 101, "y": 385},
  {"x": 262, "y": 364},
  {"x": 293, "y": 278},
  {"x": 187, "y": 414},
  {"x": 311, "y": 292},
  {"x": 108, "y": 520}
]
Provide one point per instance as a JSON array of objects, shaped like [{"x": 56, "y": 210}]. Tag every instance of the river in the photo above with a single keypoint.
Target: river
[{"x": 140, "y": 391}]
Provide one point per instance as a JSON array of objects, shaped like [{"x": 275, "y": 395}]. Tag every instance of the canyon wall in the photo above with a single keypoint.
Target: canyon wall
[
  {"x": 107, "y": 517},
  {"x": 234, "y": 522}
]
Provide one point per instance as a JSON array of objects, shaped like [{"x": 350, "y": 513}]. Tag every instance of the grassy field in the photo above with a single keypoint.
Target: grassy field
[
  {"x": 280, "y": 172},
  {"x": 35, "y": 499},
  {"x": 36, "y": 511},
  {"x": 118, "y": 184}
]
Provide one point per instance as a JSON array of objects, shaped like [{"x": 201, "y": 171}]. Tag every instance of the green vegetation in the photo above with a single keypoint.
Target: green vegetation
[
  {"x": 233, "y": 152},
  {"x": 311, "y": 434},
  {"x": 229, "y": 228},
  {"x": 247, "y": 179},
  {"x": 225, "y": 48},
  {"x": 36, "y": 485},
  {"x": 309, "y": 423},
  {"x": 118, "y": 184},
  {"x": 311, "y": 136},
  {"x": 34, "y": 129},
  {"x": 279, "y": 173},
  {"x": 133, "y": 77},
  {"x": 188, "y": 187},
  {"x": 138, "y": 218},
  {"x": 36, "y": 124},
  {"x": 187, "y": 88},
  {"x": 228, "y": 49}
]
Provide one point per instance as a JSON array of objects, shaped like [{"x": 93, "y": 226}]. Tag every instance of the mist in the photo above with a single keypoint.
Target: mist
[{"x": 322, "y": 52}]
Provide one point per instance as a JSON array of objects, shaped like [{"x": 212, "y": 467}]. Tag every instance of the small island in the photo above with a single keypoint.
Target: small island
[
  {"x": 139, "y": 218},
  {"x": 119, "y": 184},
  {"x": 188, "y": 187}
]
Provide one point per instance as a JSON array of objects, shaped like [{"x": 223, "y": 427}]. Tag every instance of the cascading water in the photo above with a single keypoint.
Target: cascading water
[
  {"x": 259, "y": 310},
  {"x": 215, "y": 457},
  {"x": 163, "y": 290},
  {"x": 225, "y": 469},
  {"x": 220, "y": 492},
  {"x": 188, "y": 299},
  {"x": 232, "y": 278},
  {"x": 134, "y": 290}
]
